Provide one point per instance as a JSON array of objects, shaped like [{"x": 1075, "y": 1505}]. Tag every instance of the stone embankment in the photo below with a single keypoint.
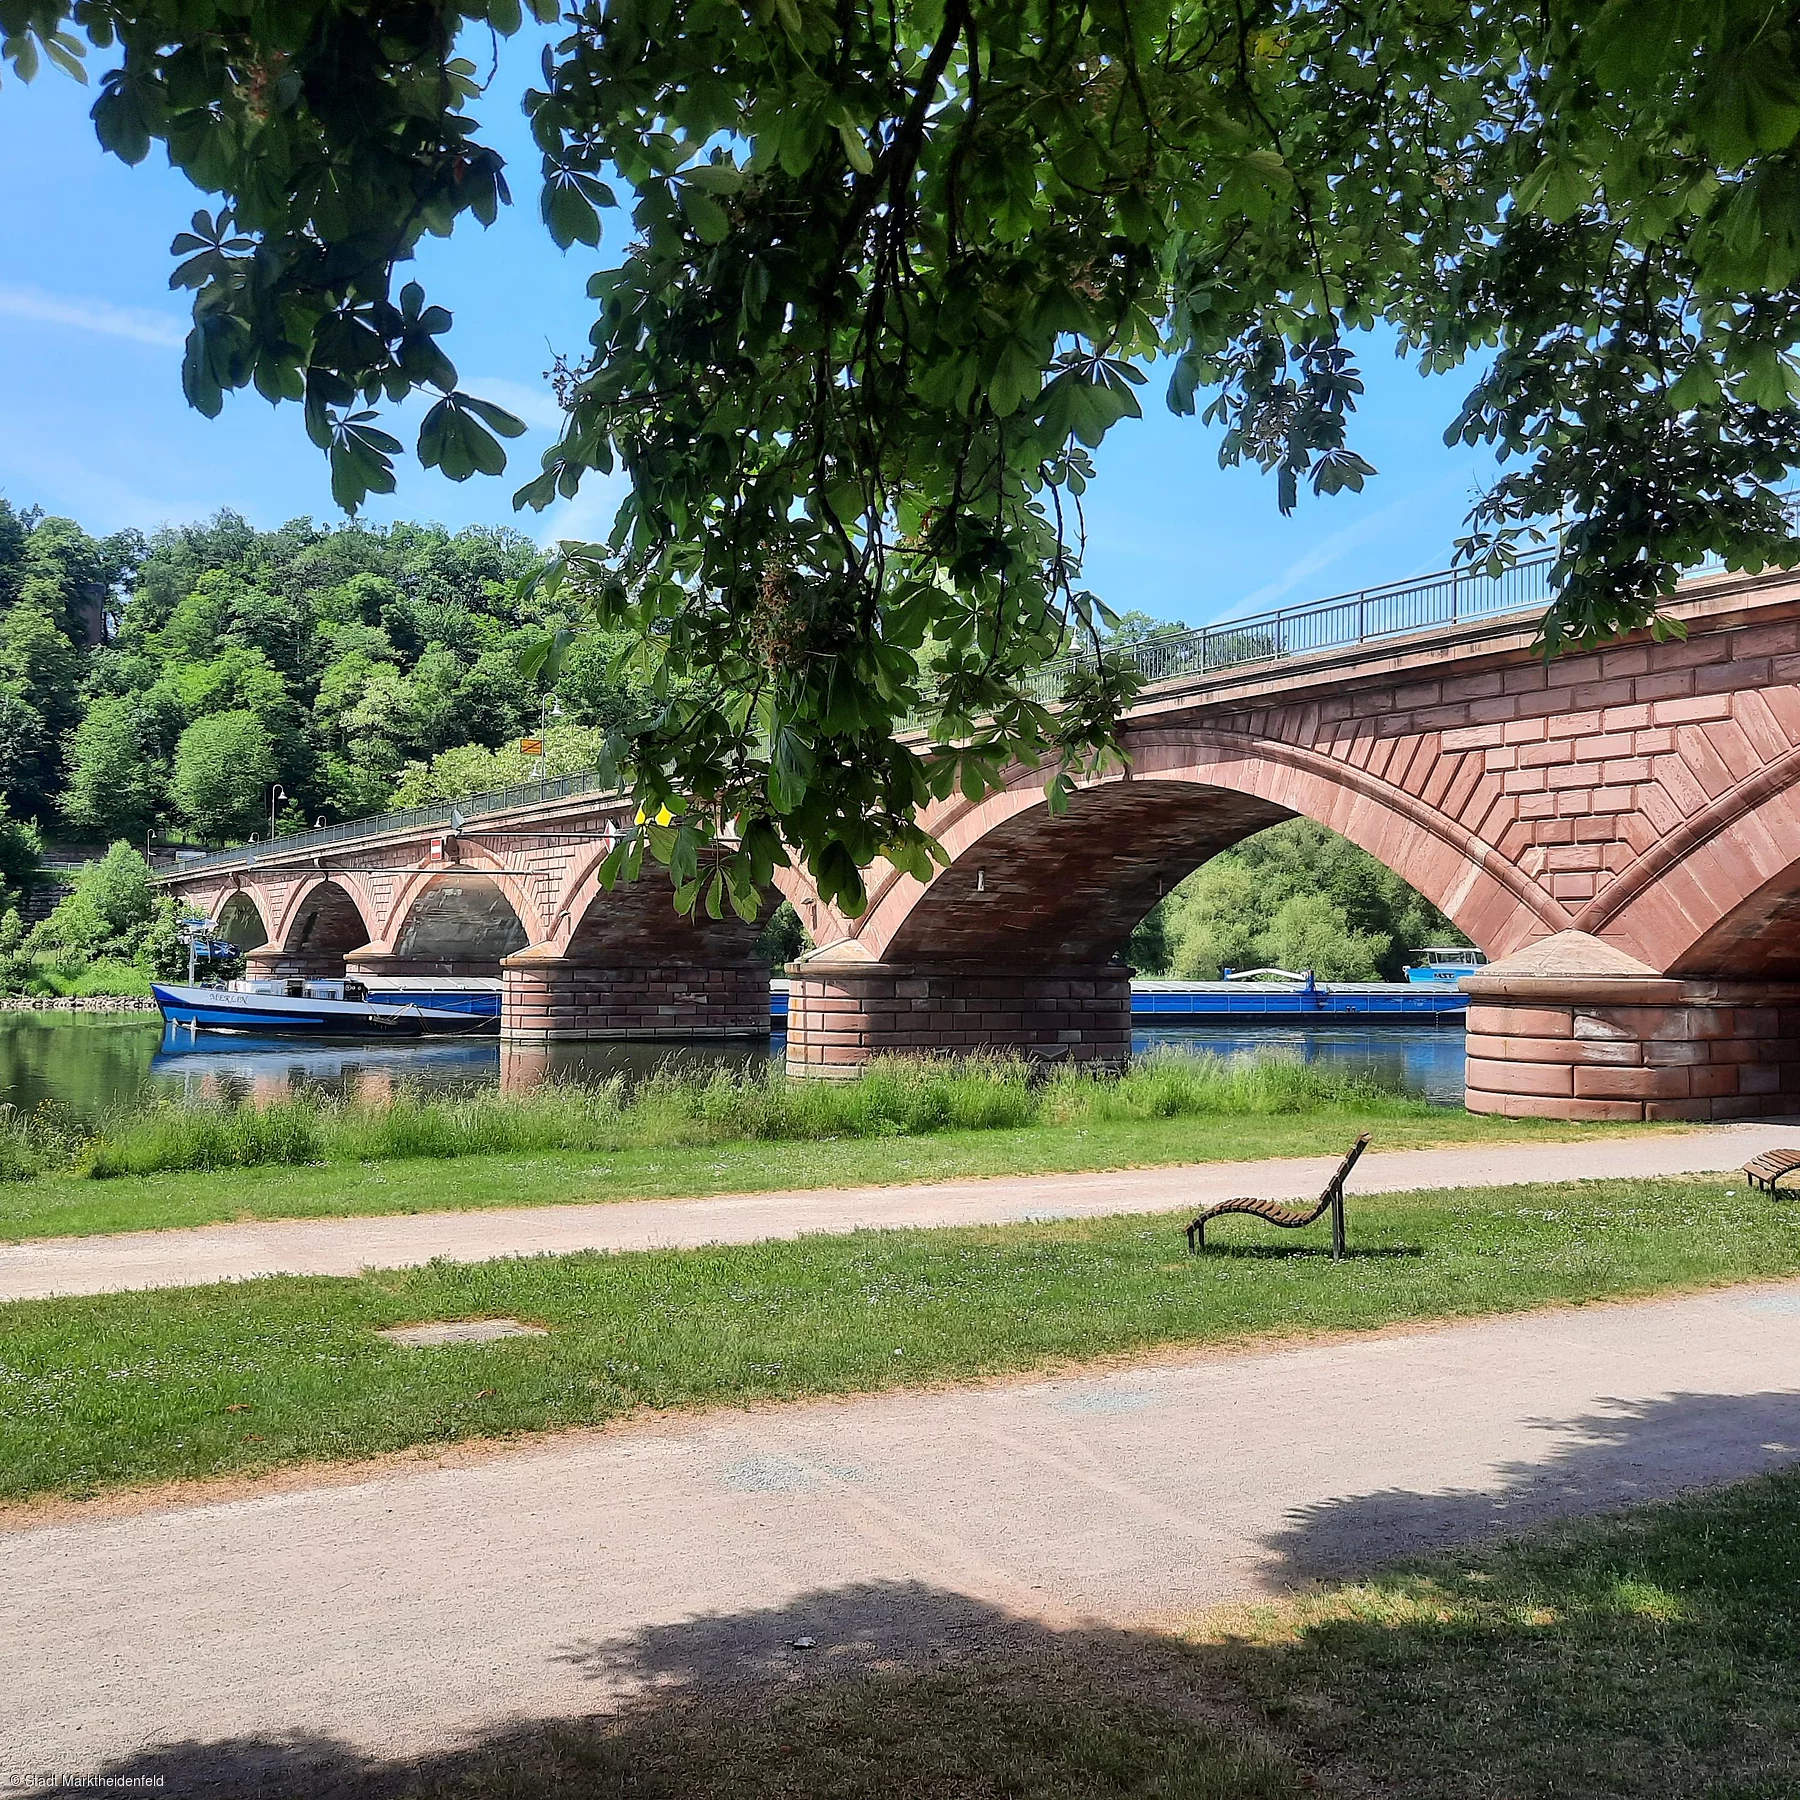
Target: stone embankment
[{"x": 80, "y": 1003}]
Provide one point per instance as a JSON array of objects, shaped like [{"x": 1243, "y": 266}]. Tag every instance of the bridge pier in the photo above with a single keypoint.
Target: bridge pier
[
  {"x": 545, "y": 996},
  {"x": 1550, "y": 1039},
  {"x": 845, "y": 1009}
]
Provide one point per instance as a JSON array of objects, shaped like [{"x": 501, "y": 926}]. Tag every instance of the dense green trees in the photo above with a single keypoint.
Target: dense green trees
[
  {"x": 1294, "y": 897},
  {"x": 109, "y": 934},
  {"x": 169, "y": 684}
]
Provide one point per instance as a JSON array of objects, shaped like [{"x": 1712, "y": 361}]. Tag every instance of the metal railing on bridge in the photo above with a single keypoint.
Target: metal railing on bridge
[
  {"x": 1446, "y": 597},
  {"x": 439, "y": 818},
  {"x": 1365, "y": 616}
]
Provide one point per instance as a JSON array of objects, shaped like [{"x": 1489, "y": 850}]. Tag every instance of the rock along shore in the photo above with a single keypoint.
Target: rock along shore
[{"x": 82, "y": 1003}]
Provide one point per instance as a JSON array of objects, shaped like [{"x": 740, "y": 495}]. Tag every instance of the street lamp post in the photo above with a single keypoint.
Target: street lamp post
[{"x": 276, "y": 795}]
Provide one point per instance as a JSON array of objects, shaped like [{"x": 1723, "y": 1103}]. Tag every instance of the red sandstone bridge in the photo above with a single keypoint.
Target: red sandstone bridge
[{"x": 1618, "y": 830}]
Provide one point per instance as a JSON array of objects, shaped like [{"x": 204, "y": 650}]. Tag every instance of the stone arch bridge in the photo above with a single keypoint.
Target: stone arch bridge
[{"x": 1618, "y": 830}]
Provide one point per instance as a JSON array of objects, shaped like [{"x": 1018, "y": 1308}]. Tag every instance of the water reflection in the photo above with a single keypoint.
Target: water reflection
[
  {"x": 95, "y": 1065},
  {"x": 86, "y": 1063},
  {"x": 246, "y": 1068},
  {"x": 1426, "y": 1060}
]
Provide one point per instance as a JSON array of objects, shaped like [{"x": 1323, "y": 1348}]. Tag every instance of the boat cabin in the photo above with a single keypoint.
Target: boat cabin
[
  {"x": 1445, "y": 962},
  {"x": 295, "y": 987}
]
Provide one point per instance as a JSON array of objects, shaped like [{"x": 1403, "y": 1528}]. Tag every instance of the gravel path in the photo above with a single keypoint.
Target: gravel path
[
  {"x": 187, "y": 1258},
  {"x": 411, "y": 1610}
]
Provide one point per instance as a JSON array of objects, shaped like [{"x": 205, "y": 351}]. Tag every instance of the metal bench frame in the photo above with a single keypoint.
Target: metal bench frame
[{"x": 1289, "y": 1218}]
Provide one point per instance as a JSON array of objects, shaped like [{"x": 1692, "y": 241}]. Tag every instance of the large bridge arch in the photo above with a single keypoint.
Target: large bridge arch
[
  {"x": 1014, "y": 943},
  {"x": 1024, "y": 885},
  {"x": 464, "y": 919}
]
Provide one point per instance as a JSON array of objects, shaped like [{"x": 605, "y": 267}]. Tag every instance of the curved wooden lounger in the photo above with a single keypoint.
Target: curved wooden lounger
[
  {"x": 1289, "y": 1218},
  {"x": 1766, "y": 1171}
]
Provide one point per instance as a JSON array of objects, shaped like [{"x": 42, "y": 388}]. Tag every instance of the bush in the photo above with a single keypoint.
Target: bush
[{"x": 111, "y": 918}]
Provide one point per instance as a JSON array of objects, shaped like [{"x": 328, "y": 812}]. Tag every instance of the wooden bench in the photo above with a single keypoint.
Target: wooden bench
[
  {"x": 1766, "y": 1171},
  {"x": 1292, "y": 1218}
]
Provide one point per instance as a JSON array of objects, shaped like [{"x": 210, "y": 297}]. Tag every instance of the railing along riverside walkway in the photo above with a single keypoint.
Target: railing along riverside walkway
[{"x": 1371, "y": 615}]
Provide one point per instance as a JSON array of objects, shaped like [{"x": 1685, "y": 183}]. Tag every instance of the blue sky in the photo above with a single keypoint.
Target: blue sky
[{"x": 93, "y": 424}]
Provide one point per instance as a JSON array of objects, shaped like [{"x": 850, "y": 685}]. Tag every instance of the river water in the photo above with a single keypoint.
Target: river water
[{"x": 91, "y": 1065}]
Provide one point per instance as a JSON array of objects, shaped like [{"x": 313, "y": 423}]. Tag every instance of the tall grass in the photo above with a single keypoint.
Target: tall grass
[
  {"x": 673, "y": 1108},
  {"x": 35, "y": 1143}
]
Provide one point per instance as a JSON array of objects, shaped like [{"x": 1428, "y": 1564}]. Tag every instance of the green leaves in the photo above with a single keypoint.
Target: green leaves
[
  {"x": 122, "y": 117},
  {"x": 1556, "y": 188},
  {"x": 362, "y": 460},
  {"x": 29, "y": 29},
  {"x": 570, "y": 205},
  {"x": 457, "y": 436},
  {"x": 1090, "y": 397},
  {"x": 208, "y": 249}
]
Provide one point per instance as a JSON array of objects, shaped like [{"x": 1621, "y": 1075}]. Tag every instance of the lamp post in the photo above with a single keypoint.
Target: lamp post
[{"x": 276, "y": 795}]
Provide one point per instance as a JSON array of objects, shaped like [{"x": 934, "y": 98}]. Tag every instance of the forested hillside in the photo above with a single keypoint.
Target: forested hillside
[{"x": 170, "y": 684}]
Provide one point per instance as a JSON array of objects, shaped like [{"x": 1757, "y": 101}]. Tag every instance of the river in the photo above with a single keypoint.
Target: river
[{"x": 91, "y": 1065}]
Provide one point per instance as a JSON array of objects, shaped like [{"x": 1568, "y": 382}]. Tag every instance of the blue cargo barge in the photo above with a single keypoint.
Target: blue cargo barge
[{"x": 1245, "y": 1002}]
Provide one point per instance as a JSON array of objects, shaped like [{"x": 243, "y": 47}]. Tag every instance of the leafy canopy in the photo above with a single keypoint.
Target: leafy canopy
[{"x": 899, "y": 265}]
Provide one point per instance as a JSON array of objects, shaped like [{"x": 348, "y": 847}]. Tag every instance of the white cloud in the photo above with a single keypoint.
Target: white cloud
[{"x": 79, "y": 313}]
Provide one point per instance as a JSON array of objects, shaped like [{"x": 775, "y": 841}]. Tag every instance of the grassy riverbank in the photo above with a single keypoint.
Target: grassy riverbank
[
  {"x": 686, "y": 1108},
  {"x": 182, "y": 1164},
  {"x": 144, "y": 1387}
]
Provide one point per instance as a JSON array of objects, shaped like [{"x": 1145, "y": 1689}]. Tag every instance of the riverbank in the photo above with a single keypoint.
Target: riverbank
[
  {"x": 77, "y": 1003},
  {"x": 180, "y": 1163},
  {"x": 681, "y": 1107}
]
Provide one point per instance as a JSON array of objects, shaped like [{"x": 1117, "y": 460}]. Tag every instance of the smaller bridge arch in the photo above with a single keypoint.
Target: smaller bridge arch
[
  {"x": 238, "y": 917},
  {"x": 322, "y": 921}
]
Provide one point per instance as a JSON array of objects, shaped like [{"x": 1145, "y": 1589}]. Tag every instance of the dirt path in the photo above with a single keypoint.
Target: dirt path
[
  {"x": 186, "y": 1258},
  {"x": 301, "y": 1630}
]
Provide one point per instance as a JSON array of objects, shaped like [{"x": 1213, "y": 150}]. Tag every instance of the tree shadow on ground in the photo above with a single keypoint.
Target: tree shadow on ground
[
  {"x": 1601, "y": 1462},
  {"x": 1656, "y": 1651},
  {"x": 880, "y": 1691}
]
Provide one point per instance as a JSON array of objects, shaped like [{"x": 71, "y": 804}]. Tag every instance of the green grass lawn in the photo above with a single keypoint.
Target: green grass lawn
[
  {"x": 1654, "y": 1653},
  {"x": 135, "y": 1388},
  {"x": 71, "y": 1205}
]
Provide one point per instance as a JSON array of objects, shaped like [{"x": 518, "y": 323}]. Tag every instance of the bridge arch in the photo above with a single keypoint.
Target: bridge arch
[
  {"x": 239, "y": 918},
  {"x": 325, "y": 920},
  {"x": 462, "y": 920},
  {"x": 1023, "y": 885}
]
